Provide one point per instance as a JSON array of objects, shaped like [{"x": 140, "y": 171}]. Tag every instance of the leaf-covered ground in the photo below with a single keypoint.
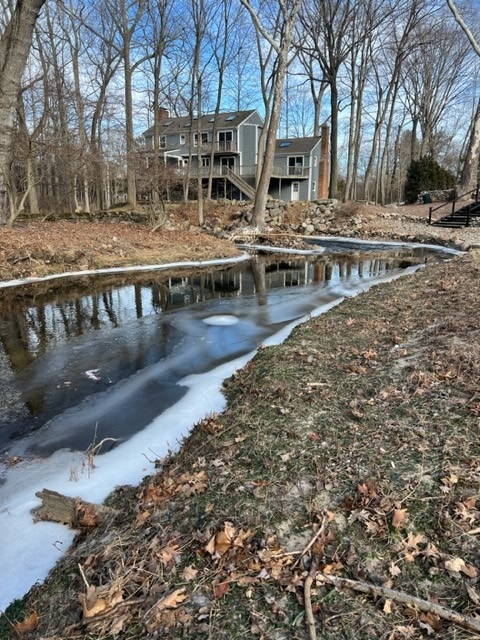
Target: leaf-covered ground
[
  {"x": 350, "y": 452},
  {"x": 40, "y": 248}
]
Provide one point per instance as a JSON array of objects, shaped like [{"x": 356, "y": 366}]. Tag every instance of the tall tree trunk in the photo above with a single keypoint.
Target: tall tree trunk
[
  {"x": 332, "y": 192},
  {"x": 129, "y": 134},
  {"x": 14, "y": 49},
  {"x": 469, "y": 177},
  {"x": 260, "y": 205},
  {"x": 285, "y": 23}
]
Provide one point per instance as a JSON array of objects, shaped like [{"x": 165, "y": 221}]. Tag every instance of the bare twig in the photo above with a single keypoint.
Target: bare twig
[
  {"x": 308, "y": 599},
  {"x": 317, "y": 535},
  {"x": 82, "y": 573},
  {"x": 466, "y": 622}
]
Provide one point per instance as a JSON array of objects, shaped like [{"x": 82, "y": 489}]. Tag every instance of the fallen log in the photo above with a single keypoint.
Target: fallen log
[{"x": 73, "y": 512}]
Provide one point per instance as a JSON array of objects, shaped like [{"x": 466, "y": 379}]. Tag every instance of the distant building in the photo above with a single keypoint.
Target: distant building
[{"x": 234, "y": 139}]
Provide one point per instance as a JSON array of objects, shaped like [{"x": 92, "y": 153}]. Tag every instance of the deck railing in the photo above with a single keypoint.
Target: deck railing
[
  {"x": 222, "y": 146},
  {"x": 248, "y": 171}
]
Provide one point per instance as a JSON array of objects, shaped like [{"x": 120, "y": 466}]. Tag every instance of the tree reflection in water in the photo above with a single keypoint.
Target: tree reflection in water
[{"x": 150, "y": 327}]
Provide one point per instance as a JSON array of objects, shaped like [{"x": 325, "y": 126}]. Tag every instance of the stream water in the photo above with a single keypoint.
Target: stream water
[
  {"x": 98, "y": 359},
  {"x": 130, "y": 363}
]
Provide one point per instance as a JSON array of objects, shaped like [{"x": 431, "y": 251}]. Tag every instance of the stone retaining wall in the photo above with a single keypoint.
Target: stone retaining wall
[{"x": 317, "y": 215}]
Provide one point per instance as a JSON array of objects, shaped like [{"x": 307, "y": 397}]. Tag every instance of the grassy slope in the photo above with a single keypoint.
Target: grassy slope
[{"x": 365, "y": 424}]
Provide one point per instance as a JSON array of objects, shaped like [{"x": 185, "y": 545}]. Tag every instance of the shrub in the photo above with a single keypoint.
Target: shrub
[{"x": 426, "y": 174}]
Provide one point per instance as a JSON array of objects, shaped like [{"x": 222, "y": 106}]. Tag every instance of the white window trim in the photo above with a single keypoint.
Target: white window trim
[{"x": 225, "y": 131}]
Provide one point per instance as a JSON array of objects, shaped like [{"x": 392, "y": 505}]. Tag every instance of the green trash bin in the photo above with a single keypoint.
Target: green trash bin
[{"x": 427, "y": 198}]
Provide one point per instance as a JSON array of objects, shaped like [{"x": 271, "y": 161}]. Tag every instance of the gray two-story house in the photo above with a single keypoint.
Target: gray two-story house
[{"x": 228, "y": 147}]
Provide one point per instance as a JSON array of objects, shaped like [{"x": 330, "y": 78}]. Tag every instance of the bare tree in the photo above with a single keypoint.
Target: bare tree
[
  {"x": 469, "y": 177},
  {"x": 333, "y": 28},
  {"x": 280, "y": 40},
  {"x": 15, "y": 43},
  {"x": 162, "y": 29},
  {"x": 395, "y": 51}
]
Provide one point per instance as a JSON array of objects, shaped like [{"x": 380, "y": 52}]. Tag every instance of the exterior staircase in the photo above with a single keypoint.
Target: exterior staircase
[
  {"x": 240, "y": 183},
  {"x": 458, "y": 218}
]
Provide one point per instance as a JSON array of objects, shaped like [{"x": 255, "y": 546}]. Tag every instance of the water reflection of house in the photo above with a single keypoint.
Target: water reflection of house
[{"x": 228, "y": 146}]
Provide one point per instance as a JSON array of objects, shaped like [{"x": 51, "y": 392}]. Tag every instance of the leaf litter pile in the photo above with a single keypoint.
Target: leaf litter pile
[{"x": 337, "y": 497}]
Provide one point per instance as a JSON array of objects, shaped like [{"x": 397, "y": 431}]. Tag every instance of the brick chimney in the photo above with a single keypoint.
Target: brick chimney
[
  {"x": 161, "y": 113},
  {"x": 324, "y": 164}
]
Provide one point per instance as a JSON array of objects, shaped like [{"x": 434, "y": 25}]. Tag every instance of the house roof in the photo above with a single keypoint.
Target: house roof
[
  {"x": 183, "y": 123},
  {"x": 292, "y": 146}
]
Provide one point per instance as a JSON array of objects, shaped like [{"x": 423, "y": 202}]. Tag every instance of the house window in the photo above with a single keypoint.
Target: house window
[
  {"x": 225, "y": 141},
  {"x": 314, "y": 161},
  {"x": 295, "y": 165},
  {"x": 205, "y": 162},
  {"x": 182, "y": 138},
  {"x": 163, "y": 141},
  {"x": 286, "y": 143},
  {"x": 204, "y": 138}
]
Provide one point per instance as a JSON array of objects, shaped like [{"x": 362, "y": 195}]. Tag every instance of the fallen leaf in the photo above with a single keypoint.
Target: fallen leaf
[
  {"x": 223, "y": 542},
  {"x": 387, "y": 607},
  {"x": 224, "y": 539},
  {"x": 394, "y": 570},
  {"x": 210, "y": 548},
  {"x": 458, "y": 565},
  {"x": 221, "y": 589},
  {"x": 29, "y": 624},
  {"x": 169, "y": 554},
  {"x": 189, "y": 573},
  {"x": 432, "y": 620},
  {"x": 399, "y": 518},
  {"x": 93, "y": 604},
  {"x": 172, "y": 601}
]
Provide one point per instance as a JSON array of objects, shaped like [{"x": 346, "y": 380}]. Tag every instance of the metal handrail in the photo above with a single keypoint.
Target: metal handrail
[{"x": 457, "y": 199}]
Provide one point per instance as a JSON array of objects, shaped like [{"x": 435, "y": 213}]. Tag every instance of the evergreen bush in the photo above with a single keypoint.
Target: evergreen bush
[{"x": 426, "y": 174}]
